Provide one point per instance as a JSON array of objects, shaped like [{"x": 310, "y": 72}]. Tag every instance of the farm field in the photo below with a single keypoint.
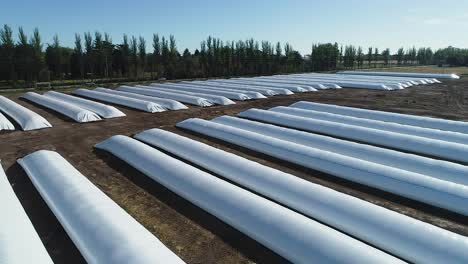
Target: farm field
[{"x": 185, "y": 229}]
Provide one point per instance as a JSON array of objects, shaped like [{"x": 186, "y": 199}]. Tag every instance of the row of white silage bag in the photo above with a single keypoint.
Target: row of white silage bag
[
  {"x": 216, "y": 99},
  {"x": 5, "y": 124},
  {"x": 288, "y": 233},
  {"x": 105, "y": 111},
  {"x": 72, "y": 111},
  {"x": 405, "y": 74},
  {"x": 25, "y": 118},
  {"x": 101, "y": 230},
  {"x": 433, "y": 191},
  {"x": 234, "y": 87},
  {"x": 250, "y": 94},
  {"x": 431, "y": 147},
  {"x": 278, "y": 89},
  {"x": 202, "y": 91},
  {"x": 19, "y": 241},
  {"x": 412, "y": 120},
  {"x": 189, "y": 99},
  {"x": 410, "y": 239},
  {"x": 347, "y": 84}
]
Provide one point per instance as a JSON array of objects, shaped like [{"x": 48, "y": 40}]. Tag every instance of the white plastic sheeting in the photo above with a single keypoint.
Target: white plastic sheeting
[
  {"x": 251, "y": 94},
  {"x": 215, "y": 99},
  {"x": 5, "y": 124},
  {"x": 405, "y": 74},
  {"x": 19, "y": 241},
  {"x": 236, "y": 87},
  {"x": 142, "y": 105},
  {"x": 101, "y": 230},
  {"x": 394, "y": 85},
  {"x": 105, "y": 111},
  {"x": 444, "y": 194},
  {"x": 283, "y": 89},
  {"x": 410, "y": 239},
  {"x": 257, "y": 83},
  {"x": 348, "y": 84},
  {"x": 166, "y": 103},
  {"x": 290, "y": 234},
  {"x": 73, "y": 111},
  {"x": 289, "y": 86},
  {"x": 432, "y": 147},
  {"x": 375, "y": 124},
  {"x": 27, "y": 119},
  {"x": 202, "y": 91},
  {"x": 148, "y": 90},
  {"x": 407, "y": 80},
  {"x": 412, "y": 120},
  {"x": 440, "y": 169}
]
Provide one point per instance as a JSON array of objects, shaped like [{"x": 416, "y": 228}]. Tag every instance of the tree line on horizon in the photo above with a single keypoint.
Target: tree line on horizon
[{"x": 96, "y": 56}]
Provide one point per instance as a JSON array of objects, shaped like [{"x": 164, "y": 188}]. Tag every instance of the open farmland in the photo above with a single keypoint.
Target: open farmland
[{"x": 194, "y": 235}]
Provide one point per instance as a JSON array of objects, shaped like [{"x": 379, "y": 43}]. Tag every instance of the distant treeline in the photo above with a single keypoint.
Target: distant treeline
[{"x": 96, "y": 56}]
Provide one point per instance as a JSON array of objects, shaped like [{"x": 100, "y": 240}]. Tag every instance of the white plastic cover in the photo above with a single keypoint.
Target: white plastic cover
[
  {"x": 277, "y": 89},
  {"x": 250, "y": 94},
  {"x": 348, "y": 84},
  {"x": 273, "y": 85},
  {"x": 202, "y": 91},
  {"x": 395, "y": 85},
  {"x": 19, "y": 241},
  {"x": 194, "y": 100},
  {"x": 142, "y": 105},
  {"x": 27, "y": 119},
  {"x": 444, "y": 194},
  {"x": 410, "y": 239},
  {"x": 235, "y": 87},
  {"x": 375, "y": 124},
  {"x": 103, "y": 110},
  {"x": 441, "y": 169},
  {"x": 166, "y": 103},
  {"x": 405, "y": 74},
  {"x": 216, "y": 99},
  {"x": 432, "y": 147},
  {"x": 412, "y": 120},
  {"x": 73, "y": 111},
  {"x": 290, "y": 234},
  {"x": 5, "y": 124},
  {"x": 101, "y": 230}
]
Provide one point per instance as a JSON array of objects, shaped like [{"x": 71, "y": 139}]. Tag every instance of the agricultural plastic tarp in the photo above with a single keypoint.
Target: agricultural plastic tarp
[
  {"x": 441, "y": 169},
  {"x": 407, "y": 81},
  {"x": 148, "y": 90},
  {"x": 73, "y": 111},
  {"x": 105, "y": 111},
  {"x": 405, "y": 74},
  {"x": 142, "y": 105},
  {"x": 275, "y": 85},
  {"x": 410, "y": 239},
  {"x": 290, "y": 234},
  {"x": 5, "y": 124},
  {"x": 27, "y": 119},
  {"x": 412, "y": 120},
  {"x": 166, "y": 103},
  {"x": 375, "y": 124},
  {"x": 432, "y": 147},
  {"x": 395, "y": 85},
  {"x": 444, "y": 194},
  {"x": 234, "y": 87},
  {"x": 202, "y": 91},
  {"x": 101, "y": 230},
  {"x": 279, "y": 89},
  {"x": 216, "y": 99},
  {"x": 250, "y": 94},
  {"x": 19, "y": 241}
]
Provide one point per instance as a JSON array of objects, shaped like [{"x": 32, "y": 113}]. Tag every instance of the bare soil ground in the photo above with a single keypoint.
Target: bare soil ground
[{"x": 196, "y": 236}]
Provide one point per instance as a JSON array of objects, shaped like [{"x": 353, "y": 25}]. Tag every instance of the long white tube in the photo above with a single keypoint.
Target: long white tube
[
  {"x": 202, "y": 91},
  {"x": 251, "y": 94},
  {"x": 216, "y": 99},
  {"x": 194, "y": 100},
  {"x": 410, "y": 81},
  {"x": 314, "y": 77},
  {"x": 279, "y": 89},
  {"x": 396, "y": 85},
  {"x": 290, "y": 86},
  {"x": 236, "y": 87},
  {"x": 433, "y": 147},
  {"x": 410, "y": 239},
  {"x": 142, "y": 105},
  {"x": 440, "y": 169},
  {"x": 165, "y": 103},
  {"x": 27, "y": 119},
  {"x": 375, "y": 124},
  {"x": 5, "y": 124},
  {"x": 290, "y": 234},
  {"x": 253, "y": 83},
  {"x": 73, "y": 111},
  {"x": 19, "y": 241},
  {"x": 404, "y": 74},
  {"x": 101, "y": 230},
  {"x": 444, "y": 194},
  {"x": 412, "y": 120},
  {"x": 103, "y": 110}
]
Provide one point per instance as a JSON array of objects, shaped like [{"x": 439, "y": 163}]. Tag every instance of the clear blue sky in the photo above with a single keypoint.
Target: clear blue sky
[{"x": 376, "y": 23}]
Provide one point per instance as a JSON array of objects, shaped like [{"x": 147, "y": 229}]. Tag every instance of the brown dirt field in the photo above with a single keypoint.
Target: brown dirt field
[{"x": 198, "y": 237}]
